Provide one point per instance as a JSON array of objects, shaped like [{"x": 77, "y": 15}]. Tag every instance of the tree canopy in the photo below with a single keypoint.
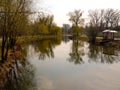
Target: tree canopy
[
  {"x": 13, "y": 17},
  {"x": 75, "y": 17}
]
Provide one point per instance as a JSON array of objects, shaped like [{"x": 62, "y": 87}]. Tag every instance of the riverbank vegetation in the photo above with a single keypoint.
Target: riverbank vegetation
[
  {"x": 17, "y": 25},
  {"x": 15, "y": 22},
  {"x": 100, "y": 20},
  {"x": 77, "y": 21},
  {"x": 17, "y": 28}
]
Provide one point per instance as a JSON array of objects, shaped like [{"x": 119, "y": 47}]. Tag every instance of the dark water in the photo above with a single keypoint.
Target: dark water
[{"x": 70, "y": 65}]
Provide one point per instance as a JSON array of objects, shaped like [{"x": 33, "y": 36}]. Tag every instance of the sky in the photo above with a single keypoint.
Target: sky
[{"x": 60, "y": 8}]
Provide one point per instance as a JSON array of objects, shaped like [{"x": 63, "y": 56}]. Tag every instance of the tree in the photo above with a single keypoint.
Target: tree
[
  {"x": 92, "y": 33},
  {"x": 102, "y": 19},
  {"x": 45, "y": 25},
  {"x": 97, "y": 18},
  {"x": 112, "y": 18},
  {"x": 55, "y": 30},
  {"x": 75, "y": 17},
  {"x": 43, "y": 29},
  {"x": 13, "y": 14},
  {"x": 76, "y": 30}
]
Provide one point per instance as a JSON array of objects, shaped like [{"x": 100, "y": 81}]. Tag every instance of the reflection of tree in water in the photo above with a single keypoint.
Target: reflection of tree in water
[
  {"x": 93, "y": 52},
  {"x": 76, "y": 52},
  {"x": 103, "y": 54},
  {"x": 17, "y": 75},
  {"x": 65, "y": 39},
  {"x": 45, "y": 47}
]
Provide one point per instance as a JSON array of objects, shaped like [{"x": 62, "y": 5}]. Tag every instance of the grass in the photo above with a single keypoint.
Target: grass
[
  {"x": 84, "y": 38},
  {"x": 25, "y": 39},
  {"x": 117, "y": 35}
]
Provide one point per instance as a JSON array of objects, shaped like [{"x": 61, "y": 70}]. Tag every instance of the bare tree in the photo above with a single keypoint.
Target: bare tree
[
  {"x": 92, "y": 33},
  {"x": 102, "y": 19},
  {"x": 111, "y": 18},
  {"x": 97, "y": 18},
  {"x": 96, "y": 24},
  {"x": 76, "y": 17}
]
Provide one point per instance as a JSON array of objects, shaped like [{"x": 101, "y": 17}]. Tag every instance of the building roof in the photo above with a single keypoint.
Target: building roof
[{"x": 112, "y": 31}]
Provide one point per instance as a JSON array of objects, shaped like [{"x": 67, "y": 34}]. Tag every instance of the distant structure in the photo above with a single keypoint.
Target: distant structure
[
  {"x": 109, "y": 34},
  {"x": 66, "y": 29}
]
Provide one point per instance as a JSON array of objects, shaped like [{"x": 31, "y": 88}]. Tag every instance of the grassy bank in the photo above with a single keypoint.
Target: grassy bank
[
  {"x": 25, "y": 39},
  {"x": 117, "y": 35}
]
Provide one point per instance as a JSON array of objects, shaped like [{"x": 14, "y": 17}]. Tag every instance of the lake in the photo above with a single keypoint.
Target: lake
[{"x": 68, "y": 65}]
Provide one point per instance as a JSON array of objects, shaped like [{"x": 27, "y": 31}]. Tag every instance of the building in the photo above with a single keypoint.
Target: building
[
  {"x": 109, "y": 34},
  {"x": 66, "y": 29}
]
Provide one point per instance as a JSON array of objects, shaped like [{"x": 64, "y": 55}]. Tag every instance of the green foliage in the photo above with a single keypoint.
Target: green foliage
[
  {"x": 77, "y": 30},
  {"x": 43, "y": 29},
  {"x": 13, "y": 18},
  {"x": 45, "y": 47},
  {"x": 92, "y": 33},
  {"x": 76, "y": 52},
  {"x": 55, "y": 30},
  {"x": 44, "y": 26}
]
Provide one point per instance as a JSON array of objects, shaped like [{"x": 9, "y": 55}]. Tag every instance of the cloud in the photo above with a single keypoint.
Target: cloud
[
  {"x": 44, "y": 83},
  {"x": 60, "y": 8}
]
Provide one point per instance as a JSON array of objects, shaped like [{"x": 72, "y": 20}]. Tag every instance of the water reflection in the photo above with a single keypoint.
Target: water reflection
[
  {"x": 65, "y": 39},
  {"x": 77, "y": 51},
  {"x": 45, "y": 47},
  {"x": 18, "y": 75},
  {"x": 95, "y": 53},
  {"x": 53, "y": 72},
  {"x": 103, "y": 54}
]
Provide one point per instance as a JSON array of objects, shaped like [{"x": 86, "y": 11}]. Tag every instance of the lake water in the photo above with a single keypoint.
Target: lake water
[{"x": 71, "y": 65}]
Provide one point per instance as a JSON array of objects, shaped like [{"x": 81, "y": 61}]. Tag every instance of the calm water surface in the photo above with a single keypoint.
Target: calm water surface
[{"x": 74, "y": 65}]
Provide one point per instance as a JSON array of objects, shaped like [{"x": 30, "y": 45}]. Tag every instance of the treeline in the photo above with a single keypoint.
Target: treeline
[
  {"x": 13, "y": 18},
  {"x": 100, "y": 20},
  {"x": 16, "y": 17},
  {"x": 44, "y": 25},
  {"x": 15, "y": 21},
  {"x": 105, "y": 18}
]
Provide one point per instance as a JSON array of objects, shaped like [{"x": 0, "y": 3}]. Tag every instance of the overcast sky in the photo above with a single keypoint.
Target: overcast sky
[{"x": 60, "y": 8}]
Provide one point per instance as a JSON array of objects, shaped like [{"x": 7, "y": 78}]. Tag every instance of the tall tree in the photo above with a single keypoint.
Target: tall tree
[
  {"x": 13, "y": 14},
  {"x": 92, "y": 33},
  {"x": 97, "y": 18},
  {"x": 75, "y": 17},
  {"x": 112, "y": 18},
  {"x": 102, "y": 19},
  {"x": 44, "y": 25}
]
